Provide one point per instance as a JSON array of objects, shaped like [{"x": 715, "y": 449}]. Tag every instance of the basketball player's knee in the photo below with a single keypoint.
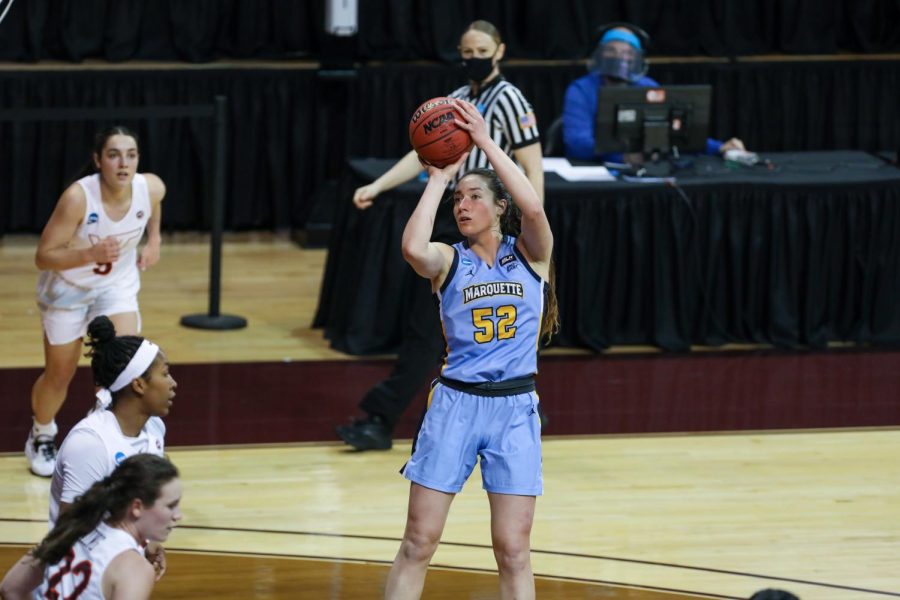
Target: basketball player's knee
[
  {"x": 512, "y": 555},
  {"x": 419, "y": 546}
]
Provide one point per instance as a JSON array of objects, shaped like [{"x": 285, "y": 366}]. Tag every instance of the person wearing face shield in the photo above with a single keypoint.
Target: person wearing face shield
[
  {"x": 619, "y": 59},
  {"x": 511, "y": 123}
]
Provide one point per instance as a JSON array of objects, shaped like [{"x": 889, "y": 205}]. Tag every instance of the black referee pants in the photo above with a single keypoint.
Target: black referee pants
[{"x": 417, "y": 360}]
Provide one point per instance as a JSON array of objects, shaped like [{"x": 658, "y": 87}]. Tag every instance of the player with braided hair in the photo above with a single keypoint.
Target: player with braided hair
[
  {"x": 136, "y": 391},
  {"x": 95, "y": 551}
]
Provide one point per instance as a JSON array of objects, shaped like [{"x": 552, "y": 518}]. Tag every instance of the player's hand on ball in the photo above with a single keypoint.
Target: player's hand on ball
[
  {"x": 472, "y": 122},
  {"x": 446, "y": 173}
]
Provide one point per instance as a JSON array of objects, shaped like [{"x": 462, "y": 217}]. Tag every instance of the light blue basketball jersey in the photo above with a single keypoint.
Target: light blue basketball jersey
[{"x": 491, "y": 315}]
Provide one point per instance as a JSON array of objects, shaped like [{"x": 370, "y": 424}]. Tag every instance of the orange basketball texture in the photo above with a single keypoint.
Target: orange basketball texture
[{"x": 434, "y": 135}]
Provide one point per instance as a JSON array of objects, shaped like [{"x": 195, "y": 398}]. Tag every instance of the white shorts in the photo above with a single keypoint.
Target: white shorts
[{"x": 66, "y": 309}]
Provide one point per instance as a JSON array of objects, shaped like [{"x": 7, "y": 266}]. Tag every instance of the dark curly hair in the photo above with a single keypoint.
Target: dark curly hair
[{"x": 110, "y": 354}]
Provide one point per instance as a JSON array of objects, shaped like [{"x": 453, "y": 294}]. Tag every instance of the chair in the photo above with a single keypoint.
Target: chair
[{"x": 553, "y": 140}]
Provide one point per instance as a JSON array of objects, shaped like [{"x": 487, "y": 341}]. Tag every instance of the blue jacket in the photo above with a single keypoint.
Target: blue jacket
[{"x": 580, "y": 112}]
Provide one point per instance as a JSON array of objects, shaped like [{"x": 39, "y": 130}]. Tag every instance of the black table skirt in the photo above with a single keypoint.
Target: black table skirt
[{"x": 797, "y": 254}]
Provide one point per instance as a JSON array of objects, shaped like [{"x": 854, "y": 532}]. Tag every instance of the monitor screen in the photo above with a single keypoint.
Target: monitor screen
[{"x": 652, "y": 120}]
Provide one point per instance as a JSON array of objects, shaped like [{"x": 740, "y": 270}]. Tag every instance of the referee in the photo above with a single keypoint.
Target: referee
[{"x": 512, "y": 124}]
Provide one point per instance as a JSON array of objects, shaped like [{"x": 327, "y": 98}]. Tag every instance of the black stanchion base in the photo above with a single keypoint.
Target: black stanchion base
[{"x": 220, "y": 322}]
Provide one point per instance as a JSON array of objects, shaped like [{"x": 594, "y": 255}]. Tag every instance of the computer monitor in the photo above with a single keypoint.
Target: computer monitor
[{"x": 652, "y": 120}]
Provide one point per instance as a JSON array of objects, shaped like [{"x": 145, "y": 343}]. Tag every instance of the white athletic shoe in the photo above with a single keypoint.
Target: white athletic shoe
[{"x": 41, "y": 454}]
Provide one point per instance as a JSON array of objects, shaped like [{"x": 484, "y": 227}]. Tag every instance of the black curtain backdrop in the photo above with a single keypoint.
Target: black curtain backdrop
[
  {"x": 798, "y": 256},
  {"x": 291, "y": 130},
  {"x": 193, "y": 31},
  {"x": 272, "y": 163},
  {"x": 204, "y": 30},
  {"x": 772, "y": 106}
]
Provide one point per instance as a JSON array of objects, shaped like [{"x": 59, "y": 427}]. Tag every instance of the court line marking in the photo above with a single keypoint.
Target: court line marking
[
  {"x": 533, "y": 550},
  {"x": 323, "y": 558}
]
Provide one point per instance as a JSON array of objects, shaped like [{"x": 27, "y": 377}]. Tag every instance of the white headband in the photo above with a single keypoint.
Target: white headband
[{"x": 137, "y": 366}]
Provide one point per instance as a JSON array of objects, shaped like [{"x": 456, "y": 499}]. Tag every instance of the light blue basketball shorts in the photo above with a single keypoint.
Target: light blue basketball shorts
[{"x": 460, "y": 427}]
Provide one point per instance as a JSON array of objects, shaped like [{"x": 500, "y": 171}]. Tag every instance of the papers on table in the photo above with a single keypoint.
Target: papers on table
[{"x": 567, "y": 171}]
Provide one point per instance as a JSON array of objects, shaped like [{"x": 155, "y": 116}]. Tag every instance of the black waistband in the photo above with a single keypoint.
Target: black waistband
[{"x": 509, "y": 387}]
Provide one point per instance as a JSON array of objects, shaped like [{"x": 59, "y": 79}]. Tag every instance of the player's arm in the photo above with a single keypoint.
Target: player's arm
[
  {"x": 128, "y": 577},
  {"x": 53, "y": 251},
  {"x": 536, "y": 237},
  {"x": 403, "y": 170},
  {"x": 150, "y": 253},
  {"x": 429, "y": 259},
  {"x": 22, "y": 578}
]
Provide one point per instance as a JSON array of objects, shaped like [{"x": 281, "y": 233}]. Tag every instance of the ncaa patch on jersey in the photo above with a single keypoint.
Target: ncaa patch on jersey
[
  {"x": 93, "y": 218},
  {"x": 527, "y": 120},
  {"x": 119, "y": 457}
]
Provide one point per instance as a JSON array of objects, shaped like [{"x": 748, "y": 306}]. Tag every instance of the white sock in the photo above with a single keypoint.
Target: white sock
[{"x": 48, "y": 429}]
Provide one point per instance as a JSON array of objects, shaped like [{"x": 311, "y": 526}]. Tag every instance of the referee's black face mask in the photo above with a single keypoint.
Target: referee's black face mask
[{"x": 477, "y": 69}]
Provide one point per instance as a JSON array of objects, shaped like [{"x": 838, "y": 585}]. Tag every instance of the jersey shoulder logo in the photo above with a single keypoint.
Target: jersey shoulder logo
[{"x": 93, "y": 218}]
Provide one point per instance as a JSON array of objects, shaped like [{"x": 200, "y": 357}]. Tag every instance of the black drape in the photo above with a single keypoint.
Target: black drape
[
  {"x": 797, "y": 256},
  {"x": 292, "y": 129},
  {"x": 271, "y": 161},
  {"x": 772, "y": 106},
  {"x": 203, "y": 30},
  {"x": 197, "y": 30}
]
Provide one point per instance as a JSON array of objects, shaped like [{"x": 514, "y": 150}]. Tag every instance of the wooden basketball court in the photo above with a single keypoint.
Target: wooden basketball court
[{"x": 650, "y": 517}]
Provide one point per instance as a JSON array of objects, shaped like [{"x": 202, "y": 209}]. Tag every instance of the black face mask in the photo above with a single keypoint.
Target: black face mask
[{"x": 477, "y": 69}]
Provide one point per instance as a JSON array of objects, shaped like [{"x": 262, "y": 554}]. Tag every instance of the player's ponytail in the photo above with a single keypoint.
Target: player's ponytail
[
  {"x": 138, "y": 477},
  {"x": 110, "y": 354}
]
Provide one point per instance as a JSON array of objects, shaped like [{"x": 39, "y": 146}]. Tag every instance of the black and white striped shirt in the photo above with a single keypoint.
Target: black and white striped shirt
[{"x": 509, "y": 117}]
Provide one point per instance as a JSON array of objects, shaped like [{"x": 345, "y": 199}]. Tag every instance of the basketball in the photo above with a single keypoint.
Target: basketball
[{"x": 435, "y": 136}]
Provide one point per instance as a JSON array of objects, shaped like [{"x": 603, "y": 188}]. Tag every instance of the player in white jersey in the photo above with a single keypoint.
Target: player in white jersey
[
  {"x": 512, "y": 125},
  {"x": 492, "y": 289},
  {"x": 89, "y": 258},
  {"x": 136, "y": 391},
  {"x": 95, "y": 551}
]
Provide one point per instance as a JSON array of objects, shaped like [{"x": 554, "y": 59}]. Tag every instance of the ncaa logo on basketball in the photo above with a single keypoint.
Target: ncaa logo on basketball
[
  {"x": 93, "y": 218},
  {"x": 438, "y": 121}
]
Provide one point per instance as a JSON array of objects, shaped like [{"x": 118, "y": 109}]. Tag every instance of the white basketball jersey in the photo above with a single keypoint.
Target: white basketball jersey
[
  {"x": 96, "y": 225},
  {"x": 80, "y": 574},
  {"x": 102, "y": 425}
]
